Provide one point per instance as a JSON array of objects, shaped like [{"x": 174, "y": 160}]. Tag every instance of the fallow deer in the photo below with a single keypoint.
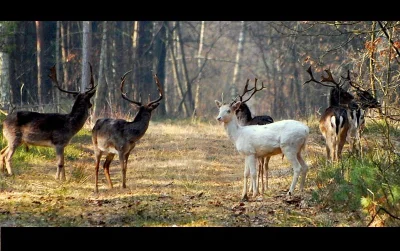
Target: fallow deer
[
  {"x": 118, "y": 136},
  {"x": 334, "y": 123},
  {"x": 356, "y": 114},
  {"x": 341, "y": 121},
  {"x": 47, "y": 129},
  {"x": 245, "y": 118},
  {"x": 255, "y": 141}
]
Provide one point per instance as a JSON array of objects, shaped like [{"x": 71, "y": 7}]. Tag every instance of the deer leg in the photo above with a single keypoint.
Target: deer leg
[
  {"x": 266, "y": 167},
  {"x": 106, "y": 167},
  {"x": 261, "y": 173},
  {"x": 3, "y": 156},
  {"x": 246, "y": 175},
  {"x": 60, "y": 163},
  {"x": 251, "y": 163},
  {"x": 8, "y": 153},
  {"x": 292, "y": 158},
  {"x": 340, "y": 143},
  {"x": 123, "y": 161},
  {"x": 304, "y": 169},
  {"x": 330, "y": 152},
  {"x": 97, "y": 154}
]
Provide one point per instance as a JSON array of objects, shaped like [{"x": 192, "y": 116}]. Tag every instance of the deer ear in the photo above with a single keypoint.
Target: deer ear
[
  {"x": 236, "y": 105},
  {"x": 219, "y": 104}
]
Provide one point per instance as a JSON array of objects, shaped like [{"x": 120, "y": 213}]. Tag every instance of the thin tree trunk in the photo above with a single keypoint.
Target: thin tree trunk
[
  {"x": 175, "y": 72},
  {"x": 159, "y": 61},
  {"x": 64, "y": 54},
  {"x": 56, "y": 93},
  {"x": 185, "y": 74},
  {"x": 86, "y": 45},
  {"x": 5, "y": 94},
  {"x": 239, "y": 54},
  {"x": 100, "y": 97},
  {"x": 199, "y": 52},
  {"x": 39, "y": 60}
]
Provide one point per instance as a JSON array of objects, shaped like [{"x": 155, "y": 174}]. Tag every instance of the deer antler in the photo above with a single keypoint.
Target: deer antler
[
  {"x": 246, "y": 90},
  {"x": 123, "y": 94},
  {"x": 351, "y": 82},
  {"x": 91, "y": 84},
  {"x": 53, "y": 77},
  {"x": 324, "y": 79},
  {"x": 159, "y": 90}
]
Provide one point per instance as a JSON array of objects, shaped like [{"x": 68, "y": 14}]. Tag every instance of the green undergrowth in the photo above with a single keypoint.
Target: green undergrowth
[{"x": 361, "y": 184}]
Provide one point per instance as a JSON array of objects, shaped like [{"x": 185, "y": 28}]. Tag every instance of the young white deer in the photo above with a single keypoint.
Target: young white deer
[
  {"x": 286, "y": 137},
  {"x": 46, "y": 129},
  {"x": 118, "y": 136},
  {"x": 245, "y": 118}
]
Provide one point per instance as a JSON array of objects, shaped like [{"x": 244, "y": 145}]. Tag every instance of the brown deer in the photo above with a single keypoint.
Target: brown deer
[
  {"x": 342, "y": 120},
  {"x": 334, "y": 123},
  {"x": 46, "y": 129},
  {"x": 245, "y": 118},
  {"x": 118, "y": 136},
  {"x": 356, "y": 114}
]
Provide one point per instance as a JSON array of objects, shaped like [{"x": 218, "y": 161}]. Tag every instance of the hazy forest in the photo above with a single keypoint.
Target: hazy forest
[{"x": 198, "y": 62}]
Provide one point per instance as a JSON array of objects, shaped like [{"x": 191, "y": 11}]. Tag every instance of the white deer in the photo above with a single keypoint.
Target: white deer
[{"x": 286, "y": 137}]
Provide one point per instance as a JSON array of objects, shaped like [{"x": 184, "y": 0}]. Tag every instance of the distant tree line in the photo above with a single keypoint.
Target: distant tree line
[{"x": 197, "y": 62}]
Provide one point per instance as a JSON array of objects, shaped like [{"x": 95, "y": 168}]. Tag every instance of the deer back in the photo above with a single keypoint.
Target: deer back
[{"x": 49, "y": 129}]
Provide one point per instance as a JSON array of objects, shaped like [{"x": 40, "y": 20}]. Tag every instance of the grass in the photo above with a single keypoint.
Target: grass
[{"x": 181, "y": 173}]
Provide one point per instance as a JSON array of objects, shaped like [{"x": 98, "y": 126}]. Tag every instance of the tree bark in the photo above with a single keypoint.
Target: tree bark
[
  {"x": 86, "y": 45},
  {"x": 39, "y": 61},
  {"x": 100, "y": 98},
  {"x": 239, "y": 53},
  {"x": 199, "y": 60}
]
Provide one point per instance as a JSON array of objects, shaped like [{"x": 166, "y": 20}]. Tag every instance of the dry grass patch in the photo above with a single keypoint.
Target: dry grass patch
[{"x": 180, "y": 173}]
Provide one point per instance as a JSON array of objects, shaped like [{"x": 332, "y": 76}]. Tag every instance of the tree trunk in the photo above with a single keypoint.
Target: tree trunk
[
  {"x": 86, "y": 45},
  {"x": 239, "y": 54},
  {"x": 185, "y": 74},
  {"x": 199, "y": 60},
  {"x": 160, "y": 54},
  {"x": 100, "y": 98},
  {"x": 5, "y": 95},
  {"x": 56, "y": 92},
  {"x": 39, "y": 61},
  {"x": 64, "y": 55},
  {"x": 174, "y": 66}
]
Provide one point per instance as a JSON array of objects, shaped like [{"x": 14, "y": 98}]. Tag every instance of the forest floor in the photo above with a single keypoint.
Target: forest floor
[{"x": 180, "y": 174}]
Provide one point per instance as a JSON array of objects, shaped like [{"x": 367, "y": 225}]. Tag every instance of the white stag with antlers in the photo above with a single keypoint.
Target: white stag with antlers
[{"x": 286, "y": 137}]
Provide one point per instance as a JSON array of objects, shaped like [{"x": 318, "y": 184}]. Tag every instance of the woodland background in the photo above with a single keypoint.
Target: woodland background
[{"x": 198, "y": 62}]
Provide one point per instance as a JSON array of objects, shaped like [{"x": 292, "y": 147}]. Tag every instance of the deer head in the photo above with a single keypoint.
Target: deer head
[
  {"x": 364, "y": 97},
  {"x": 338, "y": 96},
  {"x": 151, "y": 105},
  {"x": 83, "y": 97}
]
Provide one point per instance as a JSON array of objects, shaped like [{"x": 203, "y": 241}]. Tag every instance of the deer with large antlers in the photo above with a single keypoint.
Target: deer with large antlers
[
  {"x": 47, "y": 129},
  {"x": 118, "y": 136},
  {"x": 341, "y": 121},
  {"x": 286, "y": 137},
  {"x": 245, "y": 118}
]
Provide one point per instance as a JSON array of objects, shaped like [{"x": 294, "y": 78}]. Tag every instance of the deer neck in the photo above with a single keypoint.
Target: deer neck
[
  {"x": 141, "y": 121},
  {"x": 232, "y": 129},
  {"x": 78, "y": 116},
  {"x": 244, "y": 118}
]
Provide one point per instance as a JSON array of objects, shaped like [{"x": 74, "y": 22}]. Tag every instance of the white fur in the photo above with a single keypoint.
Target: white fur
[{"x": 253, "y": 141}]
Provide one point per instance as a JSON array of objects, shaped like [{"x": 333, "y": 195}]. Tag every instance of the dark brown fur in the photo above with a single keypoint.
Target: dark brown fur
[{"x": 45, "y": 129}]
